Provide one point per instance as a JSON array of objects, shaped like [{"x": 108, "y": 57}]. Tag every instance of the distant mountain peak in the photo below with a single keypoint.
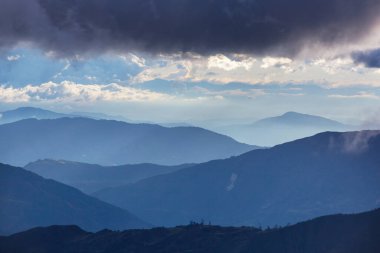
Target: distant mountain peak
[
  {"x": 298, "y": 114},
  {"x": 28, "y": 108},
  {"x": 21, "y": 113},
  {"x": 292, "y": 118}
]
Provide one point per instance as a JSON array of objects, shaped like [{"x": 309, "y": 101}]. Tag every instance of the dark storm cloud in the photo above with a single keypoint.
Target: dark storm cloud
[
  {"x": 370, "y": 58},
  {"x": 202, "y": 26}
]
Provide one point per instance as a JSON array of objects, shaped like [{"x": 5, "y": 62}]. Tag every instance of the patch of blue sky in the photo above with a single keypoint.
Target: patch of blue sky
[{"x": 20, "y": 67}]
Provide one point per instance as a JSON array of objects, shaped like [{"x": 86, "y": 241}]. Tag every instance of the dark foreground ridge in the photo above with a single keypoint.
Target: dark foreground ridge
[{"x": 337, "y": 233}]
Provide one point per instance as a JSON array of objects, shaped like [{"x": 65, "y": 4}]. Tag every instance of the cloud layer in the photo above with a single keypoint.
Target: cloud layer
[
  {"x": 204, "y": 26},
  {"x": 70, "y": 92}
]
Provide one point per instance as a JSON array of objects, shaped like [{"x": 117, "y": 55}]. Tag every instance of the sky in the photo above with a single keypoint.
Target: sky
[{"x": 202, "y": 62}]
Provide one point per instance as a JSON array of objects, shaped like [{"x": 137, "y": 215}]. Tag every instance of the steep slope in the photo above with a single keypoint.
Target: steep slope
[
  {"x": 332, "y": 234},
  {"x": 108, "y": 142},
  {"x": 284, "y": 128},
  {"x": 28, "y": 113},
  {"x": 28, "y": 200},
  {"x": 91, "y": 177},
  {"x": 324, "y": 174}
]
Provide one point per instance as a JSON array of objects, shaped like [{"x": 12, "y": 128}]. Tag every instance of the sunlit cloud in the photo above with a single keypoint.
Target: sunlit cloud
[
  {"x": 223, "y": 62},
  {"x": 139, "y": 61},
  {"x": 72, "y": 92},
  {"x": 222, "y": 69},
  {"x": 275, "y": 62},
  {"x": 335, "y": 65}
]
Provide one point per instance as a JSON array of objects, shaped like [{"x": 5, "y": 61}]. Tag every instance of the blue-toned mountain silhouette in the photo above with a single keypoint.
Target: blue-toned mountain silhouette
[
  {"x": 39, "y": 113},
  {"x": 92, "y": 177},
  {"x": 29, "y": 113},
  {"x": 336, "y": 233},
  {"x": 284, "y": 128},
  {"x": 108, "y": 142},
  {"x": 324, "y": 174},
  {"x": 28, "y": 200}
]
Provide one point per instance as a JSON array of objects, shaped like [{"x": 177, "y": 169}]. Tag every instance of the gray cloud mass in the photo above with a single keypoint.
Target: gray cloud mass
[
  {"x": 370, "y": 58},
  {"x": 203, "y": 26}
]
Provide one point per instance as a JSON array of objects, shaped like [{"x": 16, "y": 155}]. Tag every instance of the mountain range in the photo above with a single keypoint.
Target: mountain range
[
  {"x": 21, "y": 113},
  {"x": 29, "y": 113},
  {"x": 28, "y": 200},
  {"x": 108, "y": 142},
  {"x": 324, "y": 174},
  {"x": 284, "y": 128},
  {"x": 265, "y": 132},
  {"x": 330, "y": 234},
  {"x": 92, "y": 177}
]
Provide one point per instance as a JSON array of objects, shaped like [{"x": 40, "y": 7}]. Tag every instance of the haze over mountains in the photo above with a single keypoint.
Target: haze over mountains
[
  {"x": 28, "y": 200},
  {"x": 29, "y": 113},
  {"x": 265, "y": 132},
  {"x": 39, "y": 113},
  {"x": 337, "y": 233},
  {"x": 255, "y": 122},
  {"x": 280, "y": 129},
  {"x": 171, "y": 176},
  {"x": 324, "y": 174},
  {"x": 108, "y": 142},
  {"x": 92, "y": 177}
]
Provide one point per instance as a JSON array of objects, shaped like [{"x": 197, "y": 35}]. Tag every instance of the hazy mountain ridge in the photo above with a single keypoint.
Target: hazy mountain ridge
[
  {"x": 22, "y": 113},
  {"x": 301, "y": 119},
  {"x": 284, "y": 128},
  {"x": 28, "y": 200},
  {"x": 108, "y": 142},
  {"x": 337, "y": 233},
  {"x": 324, "y": 174},
  {"x": 92, "y": 177},
  {"x": 265, "y": 132}
]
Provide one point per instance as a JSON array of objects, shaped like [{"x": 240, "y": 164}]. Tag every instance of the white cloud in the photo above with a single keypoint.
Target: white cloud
[
  {"x": 221, "y": 69},
  {"x": 328, "y": 70},
  {"x": 278, "y": 62},
  {"x": 223, "y": 62},
  {"x": 13, "y": 95},
  {"x": 13, "y": 57},
  {"x": 333, "y": 66},
  {"x": 362, "y": 94},
  {"x": 139, "y": 61},
  {"x": 168, "y": 69},
  {"x": 72, "y": 92}
]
